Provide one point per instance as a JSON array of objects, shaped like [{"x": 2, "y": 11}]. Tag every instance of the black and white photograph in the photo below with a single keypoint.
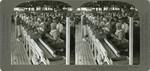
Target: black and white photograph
[
  {"x": 108, "y": 33},
  {"x": 39, "y": 33},
  {"x": 54, "y": 33}
]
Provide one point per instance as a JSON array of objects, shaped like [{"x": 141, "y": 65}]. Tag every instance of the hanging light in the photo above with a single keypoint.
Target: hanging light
[
  {"x": 136, "y": 9},
  {"x": 78, "y": 9},
  {"x": 149, "y": 1},
  {"x": 132, "y": 8}
]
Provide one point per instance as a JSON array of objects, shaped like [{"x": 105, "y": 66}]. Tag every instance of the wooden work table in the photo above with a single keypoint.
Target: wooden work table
[
  {"x": 96, "y": 50},
  {"x": 36, "y": 47}
]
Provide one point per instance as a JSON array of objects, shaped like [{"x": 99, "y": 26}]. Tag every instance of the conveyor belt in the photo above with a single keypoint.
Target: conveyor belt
[
  {"x": 47, "y": 54},
  {"x": 111, "y": 54},
  {"x": 119, "y": 46},
  {"x": 112, "y": 47},
  {"x": 55, "y": 46},
  {"x": 122, "y": 46},
  {"x": 52, "y": 57}
]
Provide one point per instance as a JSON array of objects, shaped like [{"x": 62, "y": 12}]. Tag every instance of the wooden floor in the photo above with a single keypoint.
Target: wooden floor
[
  {"x": 18, "y": 54},
  {"x": 83, "y": 53}
]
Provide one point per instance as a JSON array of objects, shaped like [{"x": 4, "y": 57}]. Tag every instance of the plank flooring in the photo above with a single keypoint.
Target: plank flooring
[
  {"x": 18, "y": 54},
  {"x": 83, "y": 53}
]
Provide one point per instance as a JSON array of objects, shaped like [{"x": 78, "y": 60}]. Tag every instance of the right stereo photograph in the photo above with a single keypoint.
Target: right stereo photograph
[{"x": 107, "y": 33}]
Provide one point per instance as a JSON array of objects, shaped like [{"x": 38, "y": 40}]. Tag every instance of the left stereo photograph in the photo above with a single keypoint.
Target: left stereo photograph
[{"x": 39, "y": 31}]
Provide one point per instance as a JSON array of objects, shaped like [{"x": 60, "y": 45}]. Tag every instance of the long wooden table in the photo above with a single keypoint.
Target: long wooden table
[
  {"x": 39, "y": 49},
  {"x": 34, "y": 48},
  {"x": 102, "y": 49}
]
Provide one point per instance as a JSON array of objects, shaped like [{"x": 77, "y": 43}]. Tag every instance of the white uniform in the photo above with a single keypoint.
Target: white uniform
[
  {"x": 125, "y": 27},
  {"x": 60, "y": 27}
]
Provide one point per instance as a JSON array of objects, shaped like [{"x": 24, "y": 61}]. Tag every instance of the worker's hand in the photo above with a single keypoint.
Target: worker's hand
[
  {"x": 46, "y": 34},
  {"x": 59, "y": 40},
  {"x": 112, "y": 35}
]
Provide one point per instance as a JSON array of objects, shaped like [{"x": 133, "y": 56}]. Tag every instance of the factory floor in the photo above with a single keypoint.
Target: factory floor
[
  {"x": 18, "y": 53},
  {"x": 83, "y": 58},
  {"x": 20, "y": 57},
  {"x": 83, "y": 53}
]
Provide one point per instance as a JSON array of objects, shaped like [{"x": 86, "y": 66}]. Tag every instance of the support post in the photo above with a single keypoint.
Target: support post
[
  {"x": 15, "y": 19},
  {"x": 130, "y": 41},
  {"x": 82, "y": 26},
  {"x": 67, "y": 41}
]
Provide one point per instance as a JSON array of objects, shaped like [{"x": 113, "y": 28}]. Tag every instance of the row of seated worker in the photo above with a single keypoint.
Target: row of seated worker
[
  {"x": 113, "y": 26},
  {"x": 50, "y": 27}
]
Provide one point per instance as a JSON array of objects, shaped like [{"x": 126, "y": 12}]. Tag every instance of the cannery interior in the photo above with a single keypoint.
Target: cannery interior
[
  {"x": 105, "y": 36},
  {"x": 40, "y": 27},
  {"x": 96, "y": 33}
]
